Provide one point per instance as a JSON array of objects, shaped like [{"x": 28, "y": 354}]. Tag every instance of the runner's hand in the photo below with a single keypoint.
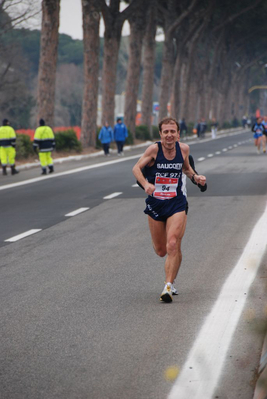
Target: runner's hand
[
  {"x": 149, "y": 188},
  {"x": 199, "y": 179}
]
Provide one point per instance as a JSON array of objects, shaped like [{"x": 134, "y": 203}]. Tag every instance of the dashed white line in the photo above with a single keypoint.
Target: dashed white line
[
  {"x": 210, "y": 155},
  {"x": 201, "y": 159},
  {"x": 225, "y": 149},
  {"x": 218, "y": 152},
  {"x": 201, "y": 372},
  {"x": 113, "y": 195},
  {"x": 135, "y": 185},
  {"x": 230, "y": 147},
  {"x": 68, "y": 172},
  {"x": 23, "y": 235},
  {"x": 80, "y": 210}
]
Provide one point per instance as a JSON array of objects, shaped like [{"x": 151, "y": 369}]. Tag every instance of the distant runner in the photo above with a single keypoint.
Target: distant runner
[{"x": 258, "y": 129}]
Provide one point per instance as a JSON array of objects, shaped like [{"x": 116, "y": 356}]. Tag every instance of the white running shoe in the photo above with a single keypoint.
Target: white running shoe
[
  {"x": 166, "y": 295},
  {"x": 174, "y": 290}
]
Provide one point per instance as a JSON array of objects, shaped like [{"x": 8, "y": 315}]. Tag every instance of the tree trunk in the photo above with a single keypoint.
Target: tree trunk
[
  {"x": 48, "y": 60},
  {"x": 91, "y": 19},
  {"x": 168, "y": 60},
  {"x": 114, "y": 20},
  {"x": 176, "y": 87},
  {"x": 111, "y": 52},
  {"x": 137, "y": 24},
  {"x": 171, "y": 24},
  {"x": 148, "y": 69}
]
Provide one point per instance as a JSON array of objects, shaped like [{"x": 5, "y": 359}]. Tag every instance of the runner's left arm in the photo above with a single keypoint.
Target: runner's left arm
[{"x": 188, "y": 170}]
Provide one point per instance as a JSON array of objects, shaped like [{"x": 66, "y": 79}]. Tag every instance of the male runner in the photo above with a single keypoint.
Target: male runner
[{"x": 163, "y": 164}]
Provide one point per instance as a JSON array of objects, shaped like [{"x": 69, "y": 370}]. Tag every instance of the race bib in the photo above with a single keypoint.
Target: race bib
[{"x": 165, "y": 187}]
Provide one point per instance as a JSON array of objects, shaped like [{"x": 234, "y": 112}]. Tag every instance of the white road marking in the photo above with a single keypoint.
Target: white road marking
[
  {"x": 67, "y": 172},
  {"x": 235, "y": 145},
  {"x": 201, "y": 159},
  {"x": 80, "y": 210},
  {"x": 23, "y": 235},
  {"x": 225, "y": 149},
  {"x": 202, "y": 370},
  {"x": 210, "y": 155},
  {"x": 113, "y": 195},
  {"x": 230, "y": 147},
  {"x": 135, "y": 185},
  {"x": 81, "y": 169},
  {"x": 217, "y": 152}
]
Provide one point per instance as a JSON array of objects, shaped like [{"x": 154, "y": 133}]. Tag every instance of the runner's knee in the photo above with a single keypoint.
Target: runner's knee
[
  {"x": 173, "y": 245},
  {"x": 160, "y": 251}
]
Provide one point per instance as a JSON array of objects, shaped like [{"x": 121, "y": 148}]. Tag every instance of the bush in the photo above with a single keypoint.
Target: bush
[
  {"x": 129, "y": 139},
  {"x": 67, "y": 140},
  {"x": 24, "y": 146},
  {"x": 142, "y": 133},
  {"x": 155, "y": 132},
  {"x": 226, "y": 125},
  {"x": 190, "y": 127},
  {"x": 98, "y": 144}
]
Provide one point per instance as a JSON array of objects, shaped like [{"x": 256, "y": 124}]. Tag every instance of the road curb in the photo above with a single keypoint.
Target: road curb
[
  {"x": 261, "y": 385},
  {"x": 126, "y": 148},
  {"x": 80, "y": 157}
]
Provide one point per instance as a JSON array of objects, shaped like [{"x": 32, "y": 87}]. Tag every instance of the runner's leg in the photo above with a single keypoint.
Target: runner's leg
[
  {"x": 158, "y": 236},
  {"x": 264, "y": 143},
  {"x": 175, "y": 228},
  {"x": 259, "y": 144}
]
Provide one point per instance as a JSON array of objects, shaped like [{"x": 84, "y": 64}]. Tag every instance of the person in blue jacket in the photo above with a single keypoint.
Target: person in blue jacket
[
  {"x": 120, "y": 135},
  {"x": 106, "y": 137}
]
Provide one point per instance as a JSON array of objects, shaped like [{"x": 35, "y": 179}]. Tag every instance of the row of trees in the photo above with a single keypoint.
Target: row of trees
[
  {"x": 211, "y": 53},
  {"x": 15, "y": 98}
]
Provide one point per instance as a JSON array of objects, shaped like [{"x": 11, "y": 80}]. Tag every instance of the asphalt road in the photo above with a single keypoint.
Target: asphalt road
[{"x": 80, "y": 312}]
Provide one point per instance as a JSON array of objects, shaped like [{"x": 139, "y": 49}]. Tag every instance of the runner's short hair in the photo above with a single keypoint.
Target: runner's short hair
[{"x": 168, "y": 119}]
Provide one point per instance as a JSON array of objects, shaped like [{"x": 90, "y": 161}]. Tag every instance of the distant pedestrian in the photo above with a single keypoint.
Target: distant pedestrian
[
  {"x": 203, "y": 127},
  {"x": 120, "y": 135},
  {"x": 44, "y": 140},
  {"x": 7, "y": 147},
  {"x": 244, "y": 121},
  {"x": 183, "y": 128},
  {"x": 235, "y": 122},
  {"x": 106, "y": 137},
  {"x": 197, "y": 127},
  {"x": 214, "y": 127}
]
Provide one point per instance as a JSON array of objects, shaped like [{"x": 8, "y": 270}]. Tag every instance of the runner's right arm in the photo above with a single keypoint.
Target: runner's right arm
[{"x": 149, "y": 155}]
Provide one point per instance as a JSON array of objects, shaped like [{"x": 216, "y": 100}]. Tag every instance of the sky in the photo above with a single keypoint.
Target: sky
[{"x": 71, "y": 20}]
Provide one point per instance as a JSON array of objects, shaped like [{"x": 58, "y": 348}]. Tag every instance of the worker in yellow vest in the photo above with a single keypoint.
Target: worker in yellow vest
[
  {"x": 7, "y": 147},
  {"x": 44, "y": 140}
]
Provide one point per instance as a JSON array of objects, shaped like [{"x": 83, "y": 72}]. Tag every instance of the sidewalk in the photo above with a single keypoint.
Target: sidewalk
[{"x": 126, "y": 148}]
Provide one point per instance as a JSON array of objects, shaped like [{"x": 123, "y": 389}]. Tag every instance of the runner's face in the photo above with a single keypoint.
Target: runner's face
[{"x": 169, "y": 135}]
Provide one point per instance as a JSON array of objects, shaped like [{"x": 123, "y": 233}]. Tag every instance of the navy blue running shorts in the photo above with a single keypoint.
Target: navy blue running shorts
[{"x": 161, "y": 210}]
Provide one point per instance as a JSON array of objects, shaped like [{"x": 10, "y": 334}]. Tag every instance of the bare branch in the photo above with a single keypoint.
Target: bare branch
[
  {"x": 234, "y": 16},
  {"x": 125, "y": 14},
  {"x": 182, "y": 17}
]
